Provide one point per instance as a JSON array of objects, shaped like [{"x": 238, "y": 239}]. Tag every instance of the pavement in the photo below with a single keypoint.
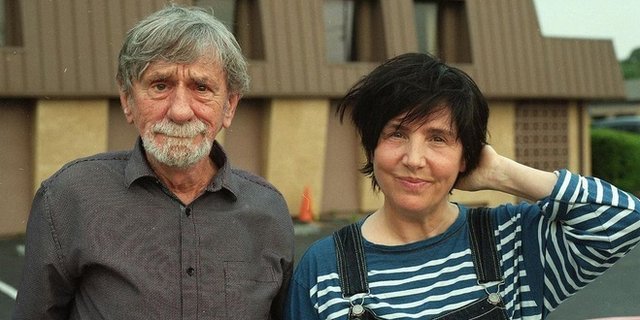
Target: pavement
[
  {"x": 11, "y": 261},
  {"x": 615, "y": 294}
]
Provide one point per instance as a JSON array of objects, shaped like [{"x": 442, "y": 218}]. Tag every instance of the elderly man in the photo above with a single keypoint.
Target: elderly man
[{"x": 168, "y": 230}]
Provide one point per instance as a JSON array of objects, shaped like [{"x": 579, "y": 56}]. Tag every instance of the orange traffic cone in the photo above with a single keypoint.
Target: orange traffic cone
[{"x": 306, "y": 214}]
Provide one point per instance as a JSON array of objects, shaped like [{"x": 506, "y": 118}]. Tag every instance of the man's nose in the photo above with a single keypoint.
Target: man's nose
[{"x": 180, "y": 109}]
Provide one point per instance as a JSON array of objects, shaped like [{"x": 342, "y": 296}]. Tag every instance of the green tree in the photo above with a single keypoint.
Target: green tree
[
  {"x": 631, "y": 66},
  {"x": 616, "y": 158}
]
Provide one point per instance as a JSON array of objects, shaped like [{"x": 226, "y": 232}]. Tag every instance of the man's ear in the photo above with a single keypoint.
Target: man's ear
[
  {"x": 126, "y": 106},
  {"x": 230, "y": 110}
]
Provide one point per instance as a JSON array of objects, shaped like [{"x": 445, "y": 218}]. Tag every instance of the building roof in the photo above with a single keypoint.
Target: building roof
[{"x": 70, "y": 50}]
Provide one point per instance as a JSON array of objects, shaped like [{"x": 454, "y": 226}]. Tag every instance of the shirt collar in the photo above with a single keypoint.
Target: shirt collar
[{"x": 138, "y": 168}]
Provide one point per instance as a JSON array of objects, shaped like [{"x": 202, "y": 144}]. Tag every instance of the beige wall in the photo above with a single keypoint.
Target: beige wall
[
  {"x": 65, "y": 130},
  {"x": 296, "y": 134},
  {"x": 579, "y": 141},
  {"x": 369, "y": 200},
  {"x": 121, "y": 134},
  {"x": 573, "y": 133},
  {"x": 16, "y": 174},
  {"x": 244, "y": 139},
  {"x": 340, "y": 193},
  {"x": 585, "y": 143}
]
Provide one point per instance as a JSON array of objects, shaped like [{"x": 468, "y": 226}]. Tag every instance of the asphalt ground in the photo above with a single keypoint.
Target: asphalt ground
[
  {"x": 614, "y": 294},
  {"x": 11, "y": 261}
]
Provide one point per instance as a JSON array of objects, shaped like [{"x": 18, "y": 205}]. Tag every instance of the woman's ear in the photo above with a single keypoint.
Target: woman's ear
[{"x": 463, "y": 165}]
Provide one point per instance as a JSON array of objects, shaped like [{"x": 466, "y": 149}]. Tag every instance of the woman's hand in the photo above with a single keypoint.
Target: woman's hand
[
  {"x": 480, "y": 178},
  {"x": 495, "y": 172}
]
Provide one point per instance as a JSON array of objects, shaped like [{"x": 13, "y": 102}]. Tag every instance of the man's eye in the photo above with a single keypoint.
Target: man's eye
[
  {"x": 160, "y": 86},
  {"x": 201, "y": 88}
]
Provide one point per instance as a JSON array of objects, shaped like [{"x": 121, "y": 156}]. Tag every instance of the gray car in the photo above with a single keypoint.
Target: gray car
[{"x": 624, "y": 123}]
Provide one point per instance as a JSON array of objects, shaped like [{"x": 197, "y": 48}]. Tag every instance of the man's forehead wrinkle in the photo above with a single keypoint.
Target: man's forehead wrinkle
[{"x": 167, "y": 72}]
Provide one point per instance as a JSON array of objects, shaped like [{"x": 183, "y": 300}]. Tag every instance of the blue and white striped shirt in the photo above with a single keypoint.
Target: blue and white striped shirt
[{"x": 549, "y": 250}]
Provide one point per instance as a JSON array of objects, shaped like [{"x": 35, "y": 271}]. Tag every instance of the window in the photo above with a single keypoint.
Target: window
[
  {"x": 338, "y": 20},
  {"x": 427, "y": 26},
  {"x": 353, "y": 31},
  {"x": 242, "y": 17},
  {"x": 442, "y": 29},
  {"x": 10, "y": 24}
]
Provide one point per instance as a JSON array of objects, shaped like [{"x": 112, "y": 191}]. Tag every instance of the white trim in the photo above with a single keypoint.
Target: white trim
[{"x": 8, "y": 290}]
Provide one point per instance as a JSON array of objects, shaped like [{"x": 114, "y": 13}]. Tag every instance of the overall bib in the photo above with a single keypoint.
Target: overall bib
[{"x": 352, "y": 270}]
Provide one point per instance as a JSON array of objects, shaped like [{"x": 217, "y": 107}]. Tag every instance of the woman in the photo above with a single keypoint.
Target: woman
[{"x": 423, "y": 129}]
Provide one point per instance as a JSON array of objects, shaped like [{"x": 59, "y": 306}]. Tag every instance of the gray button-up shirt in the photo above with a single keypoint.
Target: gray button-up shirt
[{"x": 106, "y": 240}]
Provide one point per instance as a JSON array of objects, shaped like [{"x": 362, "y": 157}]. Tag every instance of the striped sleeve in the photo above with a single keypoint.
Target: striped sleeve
[{"x": 590, "y": 225}]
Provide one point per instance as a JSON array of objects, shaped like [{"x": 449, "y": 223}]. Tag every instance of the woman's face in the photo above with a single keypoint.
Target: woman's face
[{"x": 416, "y": 165}]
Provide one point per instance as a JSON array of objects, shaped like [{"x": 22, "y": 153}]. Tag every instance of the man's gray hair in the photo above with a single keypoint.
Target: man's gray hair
[{"x": 181, "y": 35}]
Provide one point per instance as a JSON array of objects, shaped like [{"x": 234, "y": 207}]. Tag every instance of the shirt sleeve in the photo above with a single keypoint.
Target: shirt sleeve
[
  {"x": 278, "y": 303},
  {"x": 299, "y": 305},
  {"x": 45, "y": 291},
  {"x": 301, "y": 301},
  {"x": 589, "y": 224}
]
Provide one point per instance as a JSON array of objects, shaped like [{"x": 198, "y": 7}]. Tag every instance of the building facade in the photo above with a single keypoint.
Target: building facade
[
  {"x": 611, "y": 109},
  {"x": 58, "y": 95}
]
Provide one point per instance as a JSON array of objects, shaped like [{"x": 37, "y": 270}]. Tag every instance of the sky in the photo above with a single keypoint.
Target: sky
[{"x": 618, "y": 20}]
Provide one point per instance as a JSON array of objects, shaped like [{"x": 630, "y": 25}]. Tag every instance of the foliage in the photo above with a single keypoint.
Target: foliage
[
  {"x": 631, "y": 66},
  {"x": 616, "y": 158}
]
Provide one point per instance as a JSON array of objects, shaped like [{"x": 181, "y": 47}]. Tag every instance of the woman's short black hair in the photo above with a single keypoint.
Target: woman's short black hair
[{"x": 417, "y": 85}]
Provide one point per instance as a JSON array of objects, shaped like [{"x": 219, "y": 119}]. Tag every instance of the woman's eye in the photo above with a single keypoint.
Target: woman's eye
[
  {"x": 396, "y": 134},
  {"x": 440, "y": 139}
]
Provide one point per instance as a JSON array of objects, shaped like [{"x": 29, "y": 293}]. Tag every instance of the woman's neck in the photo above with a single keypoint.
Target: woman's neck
[{"x": 389, "y": 227}]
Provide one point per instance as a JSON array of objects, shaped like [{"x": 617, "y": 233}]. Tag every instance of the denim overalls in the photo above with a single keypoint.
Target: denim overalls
[{"x": 352, "y": 269}]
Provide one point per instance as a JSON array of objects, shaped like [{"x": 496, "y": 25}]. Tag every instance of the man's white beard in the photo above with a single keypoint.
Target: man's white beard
[{"x": 179, "y": 150}]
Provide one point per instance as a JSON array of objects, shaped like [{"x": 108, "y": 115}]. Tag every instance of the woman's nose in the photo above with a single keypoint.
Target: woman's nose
[{"x": 415, "y": 155}]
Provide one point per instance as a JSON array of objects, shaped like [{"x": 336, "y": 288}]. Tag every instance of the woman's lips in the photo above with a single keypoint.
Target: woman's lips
[{"x": 412, "y": 182}]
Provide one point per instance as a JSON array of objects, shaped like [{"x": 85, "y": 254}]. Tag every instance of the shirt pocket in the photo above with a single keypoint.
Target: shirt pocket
[{"x": 249, "y": 289}]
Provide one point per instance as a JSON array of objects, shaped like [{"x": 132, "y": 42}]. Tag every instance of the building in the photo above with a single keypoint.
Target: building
[
  {"x": 58, "y": 97},
  {"x": 628, "y": 106}
]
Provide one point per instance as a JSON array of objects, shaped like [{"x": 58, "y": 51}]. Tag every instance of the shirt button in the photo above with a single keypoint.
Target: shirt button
[
  {"x": 191, "y": 271},
  {"x": 187, "y": 211}
]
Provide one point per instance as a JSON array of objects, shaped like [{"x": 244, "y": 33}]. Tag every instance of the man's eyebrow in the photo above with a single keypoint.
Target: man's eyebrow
[
  {"x": 158, "y": 75},
  {"x": 199, "y": 77},
  {"x": 202, "y": 79}
]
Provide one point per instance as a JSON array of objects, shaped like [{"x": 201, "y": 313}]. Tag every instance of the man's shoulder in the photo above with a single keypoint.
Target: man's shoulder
[
  {"x": 250, "y": 180},
  {"x": 98, "y": 165}
]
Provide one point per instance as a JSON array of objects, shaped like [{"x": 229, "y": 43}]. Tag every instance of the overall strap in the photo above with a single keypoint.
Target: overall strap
[
  {"x": 483, "y": 245},
  {"x": 352, "y": 267}
]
